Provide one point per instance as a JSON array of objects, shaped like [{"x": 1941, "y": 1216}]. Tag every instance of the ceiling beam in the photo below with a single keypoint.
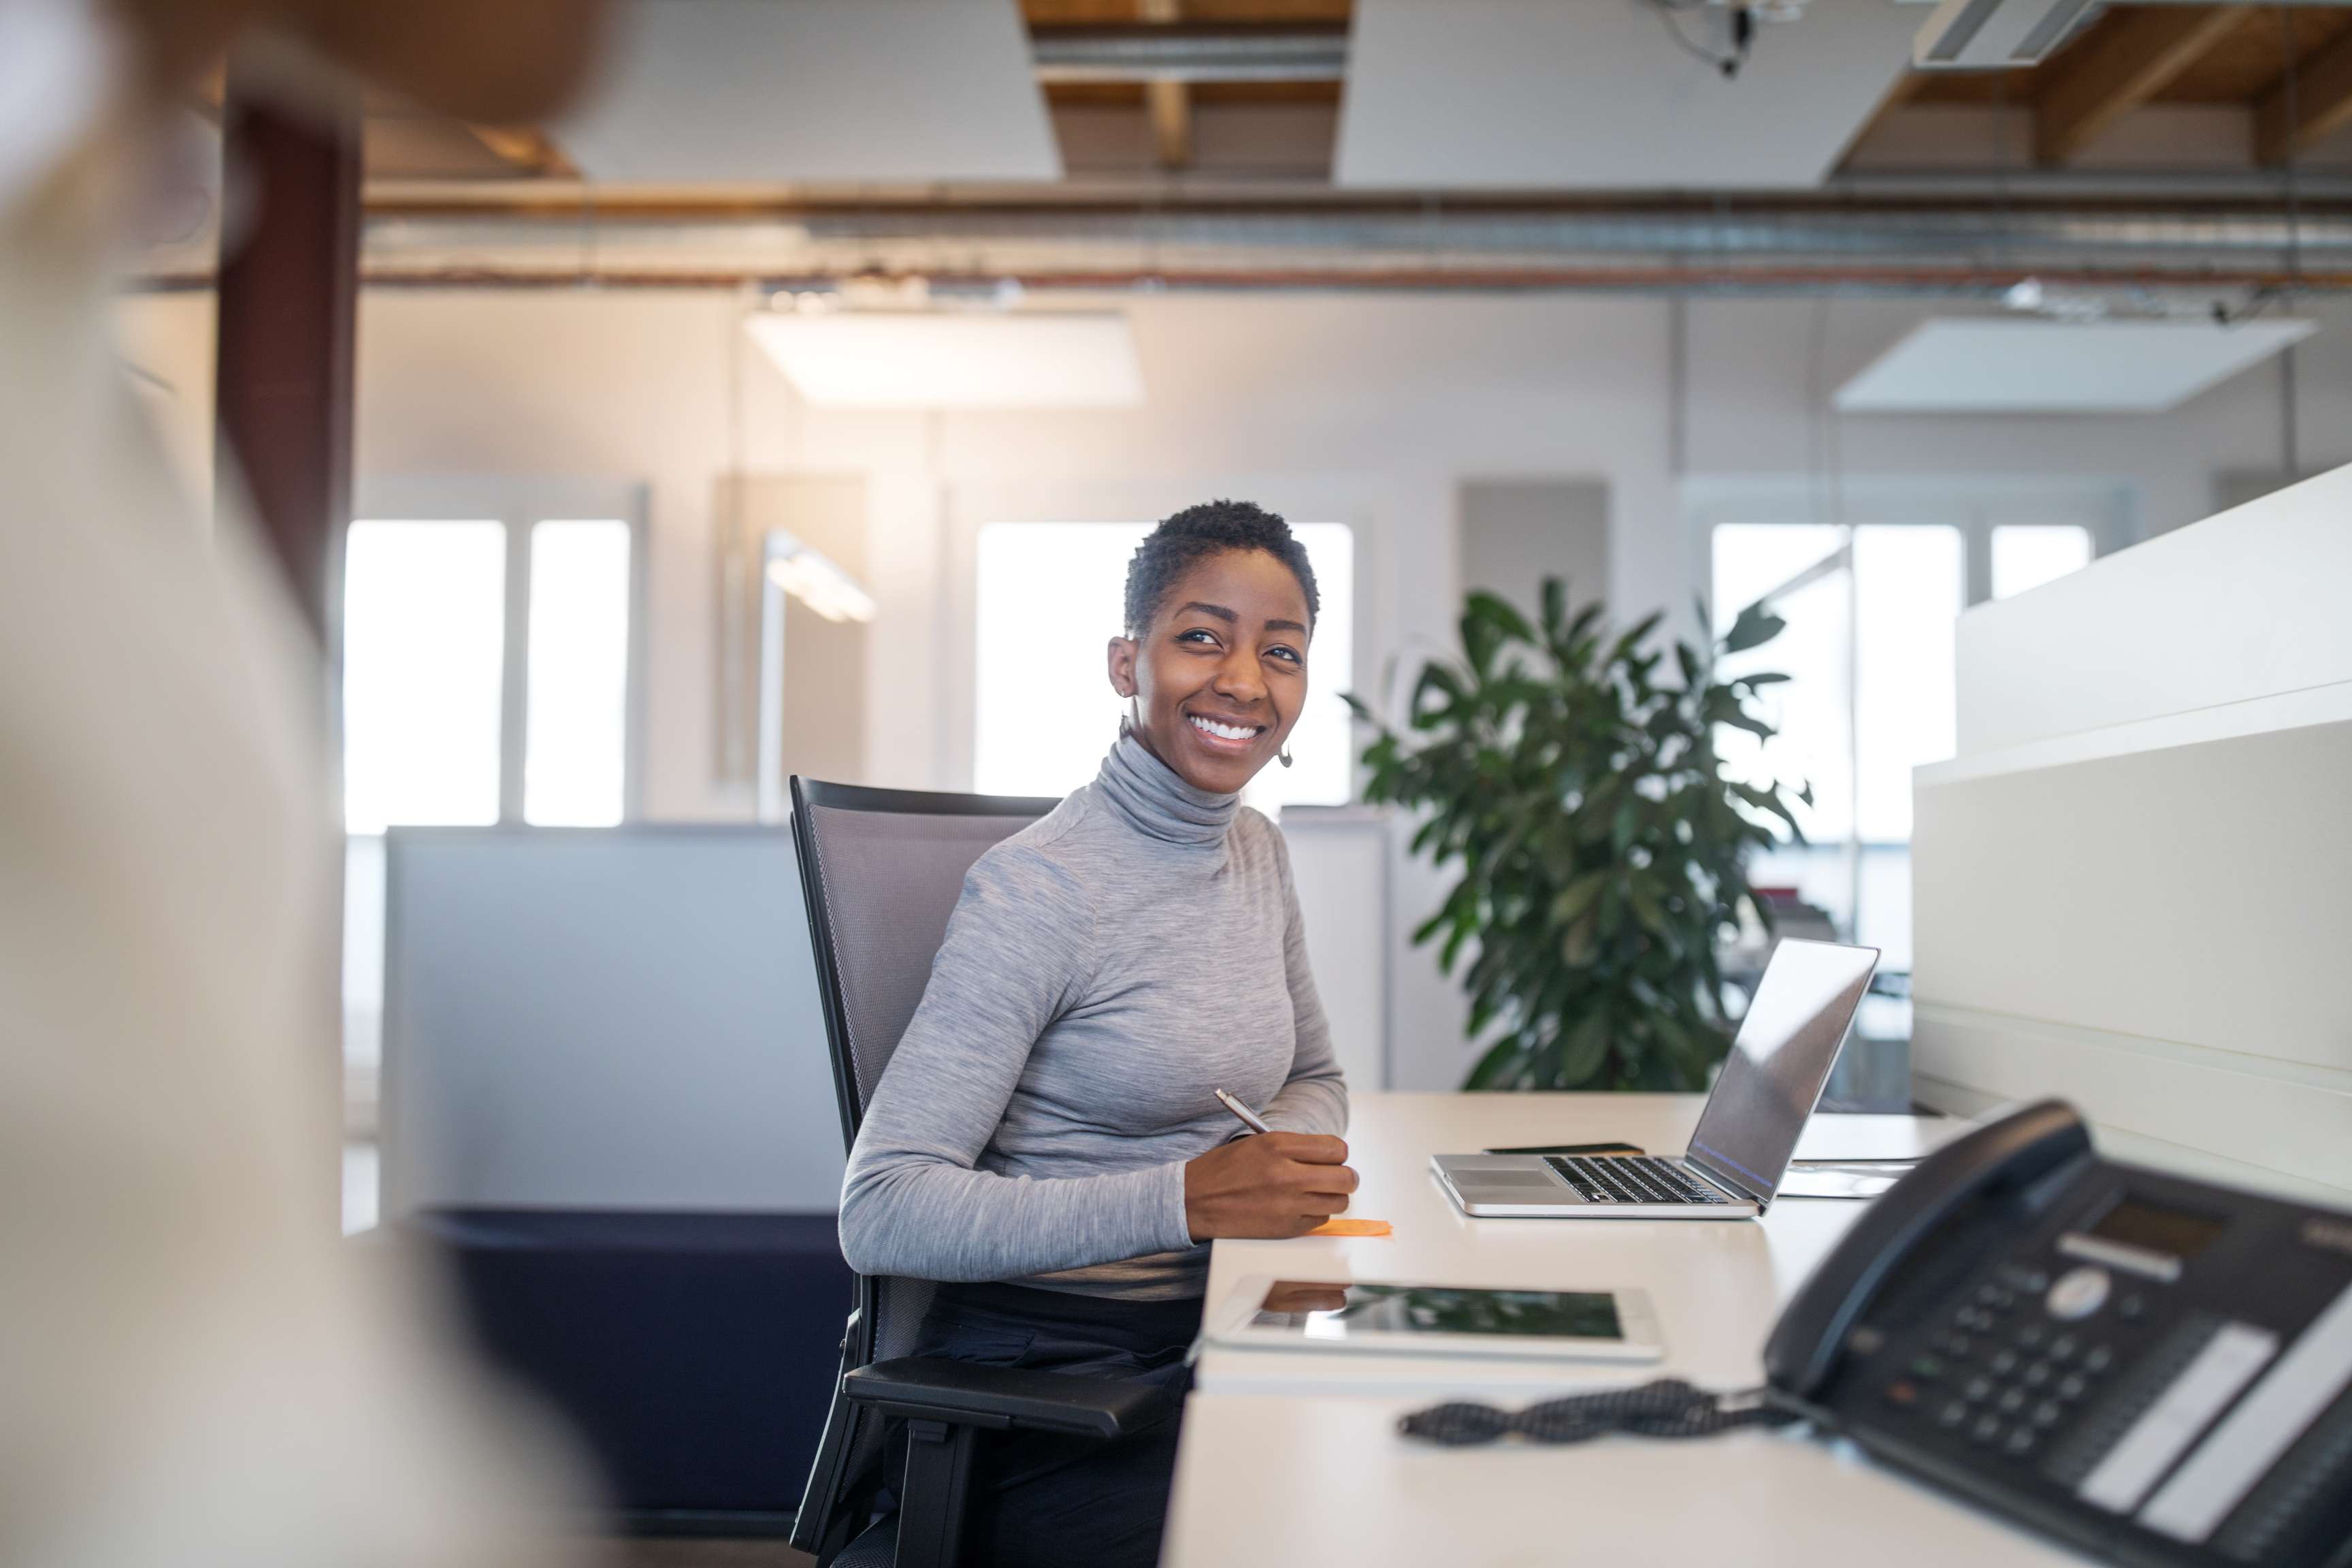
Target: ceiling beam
[
  {"x": 527, "y": 148},
  {"x": 1169, "y": 102},
  {"x": 2120, "y": 65},
  {"x": 2285, "y": 123}
]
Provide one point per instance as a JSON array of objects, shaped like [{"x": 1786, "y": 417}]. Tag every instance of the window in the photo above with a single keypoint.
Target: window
[
  {"x": 1044, "y": 713},
  {"x": 1868, "y": 648},
  {"x": 1872, "y": 611},
  {"x": 575, "y": 741},
  {"x": 424, "y": 644},
  {"x": 487, "y": 636},
  {"x": 427, "y": 651}
]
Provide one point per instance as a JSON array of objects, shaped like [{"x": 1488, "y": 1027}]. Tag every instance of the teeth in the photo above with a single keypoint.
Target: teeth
[{"x": 1222, "y": 731}]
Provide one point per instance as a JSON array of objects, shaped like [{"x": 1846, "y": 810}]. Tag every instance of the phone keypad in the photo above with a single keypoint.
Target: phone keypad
[{"x": 1999, "y": 1372}]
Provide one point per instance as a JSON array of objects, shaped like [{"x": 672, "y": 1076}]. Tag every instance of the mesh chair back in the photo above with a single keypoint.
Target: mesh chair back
[{"x": 881, "y": 870}]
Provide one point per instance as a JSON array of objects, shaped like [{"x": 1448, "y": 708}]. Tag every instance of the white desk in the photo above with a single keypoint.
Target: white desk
[{"x": 1293, "y": 1458}]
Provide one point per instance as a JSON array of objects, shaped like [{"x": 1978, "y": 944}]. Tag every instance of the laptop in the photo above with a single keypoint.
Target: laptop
[{"x": 1737, "y": 1156}]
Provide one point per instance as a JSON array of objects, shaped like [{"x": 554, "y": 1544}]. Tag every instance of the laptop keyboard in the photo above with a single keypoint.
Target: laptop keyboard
[{"x": 1628, "y": 1179}]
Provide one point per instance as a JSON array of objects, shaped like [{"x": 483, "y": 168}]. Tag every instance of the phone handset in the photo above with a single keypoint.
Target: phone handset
[{"x": 2019, "y": 1148}]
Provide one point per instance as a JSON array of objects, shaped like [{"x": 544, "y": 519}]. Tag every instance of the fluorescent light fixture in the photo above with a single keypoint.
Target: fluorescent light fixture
[
  {"x": 815, "y": 580},
  {"x": 1992, "y": 365},
  {"x": 914, "y": 359}
]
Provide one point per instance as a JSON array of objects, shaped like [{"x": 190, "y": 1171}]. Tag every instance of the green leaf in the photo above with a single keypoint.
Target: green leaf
[
  {"x": 1755, "y": 626},
  {"x": 1644, "y": 895},
  {"x": 1577, "y": 898},
  {"x": 1501, "y": 614},
  {"x": 1620, "y": 651},
  {"x": 1581, "y": 1052},
  {"x": 1576, "y": 941}
]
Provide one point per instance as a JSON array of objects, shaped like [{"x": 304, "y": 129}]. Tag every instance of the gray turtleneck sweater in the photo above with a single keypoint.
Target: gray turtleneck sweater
[{"x": 1104, "y": 969}]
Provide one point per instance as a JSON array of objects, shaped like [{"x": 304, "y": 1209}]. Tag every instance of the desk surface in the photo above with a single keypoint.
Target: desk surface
[{"x": 1287, "y": 1454}]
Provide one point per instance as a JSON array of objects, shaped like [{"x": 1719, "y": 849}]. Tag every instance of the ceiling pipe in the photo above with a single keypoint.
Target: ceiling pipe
[
  {"x": 1245, "y": 248},
  {"x": 1905, "y": 282},
  {"x": 1176, "y": 52}
]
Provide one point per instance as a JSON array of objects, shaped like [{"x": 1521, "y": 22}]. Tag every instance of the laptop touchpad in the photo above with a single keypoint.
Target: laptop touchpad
[{"x": 1519, "y": 1181}]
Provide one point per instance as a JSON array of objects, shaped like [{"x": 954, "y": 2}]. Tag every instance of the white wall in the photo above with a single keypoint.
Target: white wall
[{"x": 1389, "y": 401}]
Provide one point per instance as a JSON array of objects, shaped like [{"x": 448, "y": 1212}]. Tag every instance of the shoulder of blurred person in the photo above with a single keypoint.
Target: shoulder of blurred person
[{"x": 196, "y": 1368}]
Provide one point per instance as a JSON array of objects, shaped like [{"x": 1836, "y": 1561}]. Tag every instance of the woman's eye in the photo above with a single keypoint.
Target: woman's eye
[
  {"x": 1279, "y": 651},
  {"x": 1201, "y": 634}
]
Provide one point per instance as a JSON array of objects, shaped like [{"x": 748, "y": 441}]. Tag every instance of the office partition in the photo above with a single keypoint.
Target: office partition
[
  {"x": 618, "y": 1018},
  {"x": 2133, "y": 885}
]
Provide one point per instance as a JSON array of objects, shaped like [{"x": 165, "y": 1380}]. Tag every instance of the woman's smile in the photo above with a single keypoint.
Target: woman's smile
[{"x": 1225, "y": 737}]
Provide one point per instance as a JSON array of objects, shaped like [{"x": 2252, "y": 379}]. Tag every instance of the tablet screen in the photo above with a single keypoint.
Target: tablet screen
[{"x": 1327, "y": 1311}]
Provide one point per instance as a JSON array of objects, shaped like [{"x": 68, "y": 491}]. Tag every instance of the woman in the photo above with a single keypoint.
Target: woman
[{"x": 1046, "y": 1137}]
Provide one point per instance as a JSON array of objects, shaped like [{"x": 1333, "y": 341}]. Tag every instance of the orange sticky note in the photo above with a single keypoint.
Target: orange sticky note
[{"x": 1343, "y": 1226}]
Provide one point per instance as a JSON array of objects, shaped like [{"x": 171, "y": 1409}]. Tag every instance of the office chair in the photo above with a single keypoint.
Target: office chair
[{"x": 881, "y": 870}]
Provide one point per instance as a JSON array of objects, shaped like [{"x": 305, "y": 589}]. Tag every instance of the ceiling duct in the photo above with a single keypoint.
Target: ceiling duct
[
  {"x": 1996, "y": 35},
  {"x": 1965, "y": 250},
  {"x": 1990, "y": 35},
  {"x": 1176, "y": 52}
]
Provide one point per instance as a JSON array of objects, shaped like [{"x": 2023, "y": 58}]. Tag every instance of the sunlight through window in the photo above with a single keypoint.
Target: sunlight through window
[
  {"x": 575, "y": 745},
  {"x": 424, "y": 646}
]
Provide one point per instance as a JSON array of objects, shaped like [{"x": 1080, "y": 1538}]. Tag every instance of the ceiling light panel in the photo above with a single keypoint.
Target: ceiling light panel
[
  {"x": 1594, "y": 95},
  {"x": 857, "y": 359},
  {"x": 767, "y": 91},
  {"x": 1950, "y": 365}
]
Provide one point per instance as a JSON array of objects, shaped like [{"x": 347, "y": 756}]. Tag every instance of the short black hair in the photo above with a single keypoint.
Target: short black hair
[{"x": 1193, "y": 535}]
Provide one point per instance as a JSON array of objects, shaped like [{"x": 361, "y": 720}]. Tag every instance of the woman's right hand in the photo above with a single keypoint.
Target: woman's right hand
[{"x": 1269, "y": 1185}]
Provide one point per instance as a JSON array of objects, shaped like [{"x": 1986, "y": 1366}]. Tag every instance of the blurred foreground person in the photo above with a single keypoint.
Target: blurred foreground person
[{"x": 190, "y": 1370}]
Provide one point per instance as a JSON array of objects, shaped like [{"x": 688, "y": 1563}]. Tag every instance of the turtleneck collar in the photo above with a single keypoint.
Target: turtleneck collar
[{"x": 1159, "y": 805}]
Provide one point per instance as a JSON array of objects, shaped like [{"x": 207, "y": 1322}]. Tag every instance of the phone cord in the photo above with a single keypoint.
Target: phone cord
[{"x": 1667, "y": 1408}]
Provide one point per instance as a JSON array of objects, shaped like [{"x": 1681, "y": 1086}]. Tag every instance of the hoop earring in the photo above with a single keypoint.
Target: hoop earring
[{"x": 1283, "y": 756}]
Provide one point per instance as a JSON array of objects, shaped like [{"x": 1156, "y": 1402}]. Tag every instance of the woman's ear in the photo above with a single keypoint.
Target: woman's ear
[{"x": 1122, "y": 665}]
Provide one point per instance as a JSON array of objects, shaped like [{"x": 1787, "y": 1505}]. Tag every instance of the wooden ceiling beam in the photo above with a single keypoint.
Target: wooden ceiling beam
[
  {"x": 2286, "y": 122},
  {"x": 527, "y": 148},
  {"x": 2124, "y": 63},
  {"x": 1168, "y": 102}
]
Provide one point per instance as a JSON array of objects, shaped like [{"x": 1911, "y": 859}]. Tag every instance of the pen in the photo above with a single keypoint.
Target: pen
[{"x": 1249, "y": 1119}]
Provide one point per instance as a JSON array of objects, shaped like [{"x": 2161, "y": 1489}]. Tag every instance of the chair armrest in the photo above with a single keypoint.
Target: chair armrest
[{"x": 1002, "y": 1398}]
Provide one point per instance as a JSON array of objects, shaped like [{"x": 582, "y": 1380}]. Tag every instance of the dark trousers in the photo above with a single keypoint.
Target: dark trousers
[{"x": 1039, "y": 1500}]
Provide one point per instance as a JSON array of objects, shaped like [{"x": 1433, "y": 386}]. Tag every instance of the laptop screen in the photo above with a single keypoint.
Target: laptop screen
[{"x": 1786, "y": 1044}]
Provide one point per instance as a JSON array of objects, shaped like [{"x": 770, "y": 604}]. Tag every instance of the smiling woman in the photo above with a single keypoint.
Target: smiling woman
[
  {"x": 1047, "y": 594},
  {"x": 1215, "y": 682},
  {"x": 1047, "y": 1139}
]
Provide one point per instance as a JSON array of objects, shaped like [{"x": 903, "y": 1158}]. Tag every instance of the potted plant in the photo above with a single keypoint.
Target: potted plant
[{"x": 1601, "y": 843}]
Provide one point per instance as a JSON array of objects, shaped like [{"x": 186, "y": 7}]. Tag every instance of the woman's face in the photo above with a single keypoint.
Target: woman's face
[{"x": 1220, "y": 675}]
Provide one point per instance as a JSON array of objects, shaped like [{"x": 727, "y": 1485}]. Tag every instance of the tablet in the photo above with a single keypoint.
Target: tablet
[{"x": 1439, "y": 1319}]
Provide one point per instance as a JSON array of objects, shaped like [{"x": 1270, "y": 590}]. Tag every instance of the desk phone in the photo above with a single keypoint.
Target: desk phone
[{"x": 2156, "y": 1370}]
